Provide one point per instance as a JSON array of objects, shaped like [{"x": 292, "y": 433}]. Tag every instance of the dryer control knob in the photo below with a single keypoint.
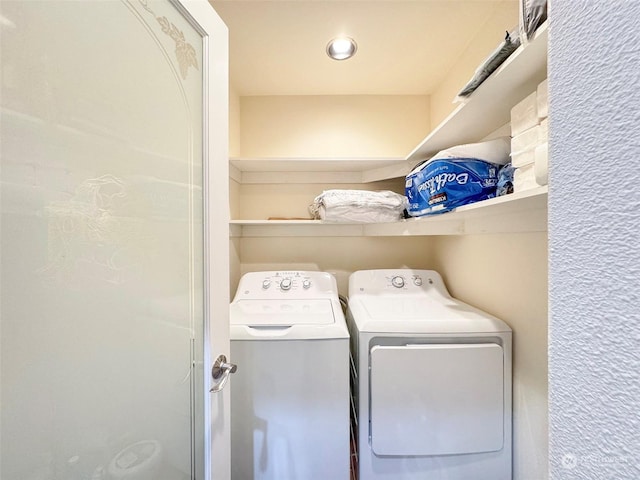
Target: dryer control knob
[
  {"x": 397, "y": 282},
  {"x": 285, "y": 284},
  {"x": 306, "y": 284},
  {"x": 266, "y": 283},
  {"x": 417, "y": 281}
]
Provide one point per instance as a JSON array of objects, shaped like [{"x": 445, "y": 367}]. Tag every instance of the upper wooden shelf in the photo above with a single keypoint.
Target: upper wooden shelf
[
  {"x": 518, "y": 212},
  {"x": 489, "y": 107},
  {"x": 316, "y": 170}
]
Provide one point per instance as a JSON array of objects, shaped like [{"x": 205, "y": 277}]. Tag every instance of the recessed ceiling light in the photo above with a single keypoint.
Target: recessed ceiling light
[{"x": 341, "y": 48}]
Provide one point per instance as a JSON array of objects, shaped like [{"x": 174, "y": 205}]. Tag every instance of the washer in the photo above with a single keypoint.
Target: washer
[
  {"x": 290, "y": 395},
  {"x": 432, "y": 380}
]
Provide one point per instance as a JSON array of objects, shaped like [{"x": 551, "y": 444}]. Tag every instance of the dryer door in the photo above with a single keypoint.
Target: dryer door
[{"x": 437, "y": 399}]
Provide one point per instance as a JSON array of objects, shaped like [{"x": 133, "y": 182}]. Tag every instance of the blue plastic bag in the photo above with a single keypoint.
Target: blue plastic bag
[
  {"x": 442, "y": 184},
  {"x": 505, "y": 180}
]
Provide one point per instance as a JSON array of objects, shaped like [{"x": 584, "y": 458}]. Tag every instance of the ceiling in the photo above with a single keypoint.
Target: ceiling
[{"x": 277, "y": 47}]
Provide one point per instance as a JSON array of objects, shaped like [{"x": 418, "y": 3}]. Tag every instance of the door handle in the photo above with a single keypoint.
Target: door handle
[{"x": 220, "y": 373}]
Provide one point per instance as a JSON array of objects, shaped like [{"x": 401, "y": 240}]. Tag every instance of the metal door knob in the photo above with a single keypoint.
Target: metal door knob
[{"x": 220, "y": 373}]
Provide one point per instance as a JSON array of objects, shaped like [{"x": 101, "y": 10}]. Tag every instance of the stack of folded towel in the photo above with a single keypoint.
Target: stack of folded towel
[
  {"x": 529, "y": 135},
  {"x": 358, "y": 206}
]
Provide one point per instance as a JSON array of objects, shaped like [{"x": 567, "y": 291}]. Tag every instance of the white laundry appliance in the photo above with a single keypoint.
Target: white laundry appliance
[
  {"x": 290, "y": 394},
  {"x": 432, "y": 381}
]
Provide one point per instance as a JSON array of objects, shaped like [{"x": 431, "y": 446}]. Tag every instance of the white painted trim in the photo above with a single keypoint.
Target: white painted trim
[{"x": 217, "y": 450}]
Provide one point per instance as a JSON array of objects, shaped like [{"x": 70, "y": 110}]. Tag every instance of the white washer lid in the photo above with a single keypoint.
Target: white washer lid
[{"x": 282, "y": 313}]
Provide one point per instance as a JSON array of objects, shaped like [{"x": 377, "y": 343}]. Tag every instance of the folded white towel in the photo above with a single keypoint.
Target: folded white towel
[{"x": 358, "y": 206}]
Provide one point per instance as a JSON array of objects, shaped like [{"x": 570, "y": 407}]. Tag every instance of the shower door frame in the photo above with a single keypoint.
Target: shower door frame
[
  {"x": 216, "y": 226},
  {"x": 215, "y": 37}
]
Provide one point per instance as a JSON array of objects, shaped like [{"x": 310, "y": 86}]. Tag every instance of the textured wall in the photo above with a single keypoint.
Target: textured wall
[{"x": 594, "y": 228}]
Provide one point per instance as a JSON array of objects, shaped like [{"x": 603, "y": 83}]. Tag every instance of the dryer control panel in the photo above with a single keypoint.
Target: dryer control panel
[
  {"x": 401, "y": 280},
  {"x": 396, "y": 281}
]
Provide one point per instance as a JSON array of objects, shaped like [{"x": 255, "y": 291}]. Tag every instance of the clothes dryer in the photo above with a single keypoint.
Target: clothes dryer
[
  {"x": 432, "y": 383},
  {"x": 290, "y": 395}
]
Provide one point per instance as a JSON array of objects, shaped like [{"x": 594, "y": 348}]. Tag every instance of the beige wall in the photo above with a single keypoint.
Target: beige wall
[
  {"x": 234, "y": 187},
  {"x": 235, "y": 266},
  {"x": 234, "y": 199},
  {"x": 234, "y": 243},
  {"x": 332, "y": 126},
  {"x": 506, "y": 275},
  {"x": 505, "y": 17},
  {"x": 234, "y": 123}
]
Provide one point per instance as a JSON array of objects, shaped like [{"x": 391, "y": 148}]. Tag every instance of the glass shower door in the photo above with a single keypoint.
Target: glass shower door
[{"x": 101, "y": 335}]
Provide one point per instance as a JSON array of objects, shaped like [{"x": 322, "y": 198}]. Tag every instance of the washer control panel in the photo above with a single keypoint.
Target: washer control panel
[
  {"x": 279, "y": 284},
  {"x": 285, "y": 284}
]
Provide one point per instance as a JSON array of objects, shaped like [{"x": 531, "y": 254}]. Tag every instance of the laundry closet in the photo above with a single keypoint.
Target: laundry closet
[
  {"x": 106, "y": 295},
  {"x": 287, "y": 149}
]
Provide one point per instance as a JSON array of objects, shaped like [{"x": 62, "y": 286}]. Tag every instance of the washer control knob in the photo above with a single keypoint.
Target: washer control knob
[
  {"x": 417, "y": 281},
  {"x": 266, "y": 283},
  {"x": 285, "y": 284},
  {"x": 306, "y": 283},
  {"x": 397, "y": 282}
]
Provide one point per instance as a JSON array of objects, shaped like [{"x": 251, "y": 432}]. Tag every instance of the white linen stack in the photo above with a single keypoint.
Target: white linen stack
[
  {"x": 358, "y": 206},
  {"x": 529, "y": 136}
]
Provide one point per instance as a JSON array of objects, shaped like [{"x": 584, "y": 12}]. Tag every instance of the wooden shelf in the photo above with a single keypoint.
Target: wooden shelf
[
  {"x": 519, "y": 212},
  {"x": 489, "y": 107},
  {"x": 294, "y": 228},
  {"x": 316, "y": 170}
]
